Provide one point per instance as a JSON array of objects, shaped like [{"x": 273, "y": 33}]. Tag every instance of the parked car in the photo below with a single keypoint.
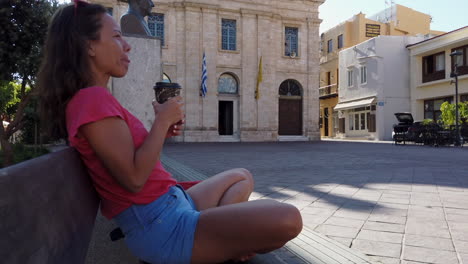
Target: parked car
[{"x": 406, "y": 129}]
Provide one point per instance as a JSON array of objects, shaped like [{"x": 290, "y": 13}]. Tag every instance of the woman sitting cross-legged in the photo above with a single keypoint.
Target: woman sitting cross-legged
[{"x": 211, "y": 222}]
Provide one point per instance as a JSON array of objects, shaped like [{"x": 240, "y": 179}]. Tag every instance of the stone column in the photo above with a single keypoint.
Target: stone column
[
  {"x": 312, "y": 130},
  {"x": 135, "y": 90}
]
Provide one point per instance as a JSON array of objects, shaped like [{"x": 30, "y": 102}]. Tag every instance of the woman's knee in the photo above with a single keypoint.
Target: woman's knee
[
  {"x": 290, "y": 222},
  {"x": 245, "y": 174}
]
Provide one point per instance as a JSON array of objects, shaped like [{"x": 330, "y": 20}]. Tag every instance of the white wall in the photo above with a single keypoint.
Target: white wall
[{"x": 387, "y": 61}]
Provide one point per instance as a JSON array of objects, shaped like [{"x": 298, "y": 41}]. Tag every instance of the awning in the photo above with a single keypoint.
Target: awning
[{"x": 354, "y": 104}]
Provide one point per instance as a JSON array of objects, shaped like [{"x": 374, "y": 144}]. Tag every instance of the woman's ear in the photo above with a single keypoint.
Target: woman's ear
[{"x": 91, "y": 49}]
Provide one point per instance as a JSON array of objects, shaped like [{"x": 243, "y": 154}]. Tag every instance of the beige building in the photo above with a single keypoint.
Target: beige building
[
  {"x": 234, "y": 35},
  {"x": 396, "y": 20},
  {"x": 431, "y": 66}
]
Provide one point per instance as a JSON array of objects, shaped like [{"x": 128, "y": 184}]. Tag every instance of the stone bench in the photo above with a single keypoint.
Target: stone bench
[{"x": 48, "y": 207}]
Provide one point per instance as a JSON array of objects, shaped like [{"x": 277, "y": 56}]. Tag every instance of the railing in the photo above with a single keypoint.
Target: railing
[{"x": 328, "y": 90}]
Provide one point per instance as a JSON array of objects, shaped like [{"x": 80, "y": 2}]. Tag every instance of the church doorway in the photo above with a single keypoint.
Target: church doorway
[
  {"x": 228, "y": 106},
  {"x": 226, "y": 118},
  {"x": 290, "y": 108}
]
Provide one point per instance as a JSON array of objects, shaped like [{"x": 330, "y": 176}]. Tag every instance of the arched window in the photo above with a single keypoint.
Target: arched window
[
  {"x": 166, "y": 78},
  {"x": 290, "y": 88},
  {"x": 227, "y": 84}
]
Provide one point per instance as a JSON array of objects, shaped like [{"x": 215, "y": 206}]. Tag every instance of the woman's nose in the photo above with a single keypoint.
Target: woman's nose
[{"x": 127, "y": 46}]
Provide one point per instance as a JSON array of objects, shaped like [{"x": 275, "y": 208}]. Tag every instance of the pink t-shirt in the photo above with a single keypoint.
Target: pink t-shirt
[{"x": 96, "y": 103}]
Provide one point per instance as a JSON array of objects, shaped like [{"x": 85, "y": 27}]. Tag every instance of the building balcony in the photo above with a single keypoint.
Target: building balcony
[{"x": 328, "y": 91}]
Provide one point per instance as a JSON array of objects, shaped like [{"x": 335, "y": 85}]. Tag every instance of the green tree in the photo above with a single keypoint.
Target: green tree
[
  {"x": 448, "y": 113},
  {"x": 23, "y": 27}
]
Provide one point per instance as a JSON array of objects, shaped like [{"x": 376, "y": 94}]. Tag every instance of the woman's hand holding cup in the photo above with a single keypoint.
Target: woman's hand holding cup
[{"x": 171, "y": 114}]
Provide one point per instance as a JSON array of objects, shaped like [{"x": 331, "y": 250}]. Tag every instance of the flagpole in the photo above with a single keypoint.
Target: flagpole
[
  {"x": 203, "y": 73},
  {"x": 256, "y": 99},
  {"x": 258, "y": 49}
]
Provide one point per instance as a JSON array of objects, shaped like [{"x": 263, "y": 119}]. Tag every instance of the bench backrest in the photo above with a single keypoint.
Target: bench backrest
[{"x": 47, "y": 210}]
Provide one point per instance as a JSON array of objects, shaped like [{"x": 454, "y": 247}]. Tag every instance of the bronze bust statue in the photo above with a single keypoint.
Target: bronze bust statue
[{"x": 133, "y": 22}]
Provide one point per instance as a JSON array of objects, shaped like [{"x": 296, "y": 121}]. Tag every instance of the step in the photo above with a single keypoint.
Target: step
[{"x": 292, "y": 138}]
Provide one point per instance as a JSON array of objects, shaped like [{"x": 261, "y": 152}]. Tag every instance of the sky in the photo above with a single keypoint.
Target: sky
[{"x": 447, "y": 15}]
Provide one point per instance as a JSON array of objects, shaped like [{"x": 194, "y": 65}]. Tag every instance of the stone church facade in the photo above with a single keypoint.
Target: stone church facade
[{"x": 234, "y": 35}]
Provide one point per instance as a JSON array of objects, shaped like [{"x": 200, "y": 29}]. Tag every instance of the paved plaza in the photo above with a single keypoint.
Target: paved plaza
[{"x": 397, "y": 204}]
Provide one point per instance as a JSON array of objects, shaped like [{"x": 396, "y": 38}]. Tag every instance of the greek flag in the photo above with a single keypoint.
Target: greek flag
[{"x": 204, "y": 77}]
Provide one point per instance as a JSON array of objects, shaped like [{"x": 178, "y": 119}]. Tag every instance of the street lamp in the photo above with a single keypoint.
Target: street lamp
[{"x": 454, "y": 74}]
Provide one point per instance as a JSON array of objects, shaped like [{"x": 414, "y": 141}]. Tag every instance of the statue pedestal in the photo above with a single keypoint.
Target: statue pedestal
[{"x": 135, "y": 90}]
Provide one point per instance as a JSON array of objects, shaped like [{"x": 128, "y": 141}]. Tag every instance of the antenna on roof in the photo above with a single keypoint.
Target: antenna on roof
[{"x": 389, "y": 4}]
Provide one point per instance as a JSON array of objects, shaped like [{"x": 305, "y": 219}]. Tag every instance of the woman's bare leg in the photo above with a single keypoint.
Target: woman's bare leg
[
  {"x": 228, "y": 187},
  {"x": 234, "y": 230},
  {"x": 231, "y": 228}
]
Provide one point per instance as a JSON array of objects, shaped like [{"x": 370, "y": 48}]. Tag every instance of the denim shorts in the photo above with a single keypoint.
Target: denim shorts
[{"x": 162, "y": 231}]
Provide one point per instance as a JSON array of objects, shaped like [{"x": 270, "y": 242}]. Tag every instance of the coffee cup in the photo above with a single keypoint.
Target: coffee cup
[{"x": 163, "y": 91}]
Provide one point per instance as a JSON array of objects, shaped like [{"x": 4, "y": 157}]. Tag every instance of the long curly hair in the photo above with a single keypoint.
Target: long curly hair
[{"x": 65, "y": 67}]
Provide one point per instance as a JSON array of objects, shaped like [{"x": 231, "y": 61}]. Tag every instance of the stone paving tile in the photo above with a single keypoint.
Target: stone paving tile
[
  {"x": 370, "y": 193},
  {"x": 370, "y": 199},
  {"x": 425, "y": 209},
  {"x": 313, "y": 219},
  {"x": 429, "y": 242},
  {"x": 387, "y": 218},
  {"x": 343, "y": 240},
  {"x": 380, "y": 236},
  {"x": 299, "y": 204},
  {"x": 332, "y": 200},
  {"x": 345, "y": 191},
  {"x": 376, "y": 186},
  {"x": 427, "y": 228},
  {"x": 453, "y": 196},
  {"x": 412, "y": 262},
  {"x": 399, "y": 187},
  {"x": 423, "y": 195},
  {"x": 425, "y": 189},
  {"x": 394, "y": 200},
  {"x": 360, "y": 204},
  {"x": 450, "y": 189},
  {"x": 306, "y": 197},
  {"x": 352, "y": 215},
  {"x": 384, "y": 260},
  {"x": 402, "y": 207},
  {"x": 398, "y": 193},
  {"x": 318, "y": 211},
  {"x": 426, "y": 202},
  {"x": 456, "y": 211},
  {"x": 457, "y": 218},
  {"x": 429, "y": 255},
  {"x": 458, "y": 205},
  {"x": 347, "y": 222},
  {"x": 277, "y": 196},
  {"x": 464, "y": 257},
  {"x": 460, "y": 235},
  {"x": 324, "y": 205},
  {"x": 338, "y": 231},
  {"x": 433, "y": 213},
  {"x": 458, "y": 225},
  {"x": 461, "y": 246},
  {"x": 377, "y": 248},
  {"x": 386, "y": 227},
  {"x": 384, "y": 209}
]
